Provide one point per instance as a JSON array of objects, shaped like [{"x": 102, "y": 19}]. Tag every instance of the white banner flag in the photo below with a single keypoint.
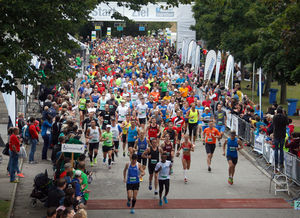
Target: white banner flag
[
  {"x": 210, "y": 62},
  {"x": 197, "y": 59},
  {"x": 218, "y": 65},
  {"x": 229, "y": 69}
]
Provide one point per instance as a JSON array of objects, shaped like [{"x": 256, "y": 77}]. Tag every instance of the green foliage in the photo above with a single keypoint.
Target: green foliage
[{"x": 262, "y": 31}]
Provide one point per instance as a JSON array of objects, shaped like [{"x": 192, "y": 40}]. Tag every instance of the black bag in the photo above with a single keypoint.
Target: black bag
[{"x": 6, "y": 150}]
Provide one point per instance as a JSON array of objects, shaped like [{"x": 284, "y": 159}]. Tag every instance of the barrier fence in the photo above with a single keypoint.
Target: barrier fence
[{"x": 261, "y": 145}]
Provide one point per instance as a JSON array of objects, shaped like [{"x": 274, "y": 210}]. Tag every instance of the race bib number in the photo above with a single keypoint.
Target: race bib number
[
  {"x": 164, "y": 177},
  {"x": 105, "y": 121},
  {"x": 209, "y": 140},
  {"x": 153, "y": 161},
  {"x": 220, "y": 123},
  {"x": 142, "y": 151},
  {"x": 192, "y": 120},
  {"x": 178, "y": 125},
  {"x": 232, "y": 148},
  {"x": 108, "y": 141},
  {"x": 111, "y": 106},
  {"x": 186, "y": 149},
  {"x": 132, "y": 179}
]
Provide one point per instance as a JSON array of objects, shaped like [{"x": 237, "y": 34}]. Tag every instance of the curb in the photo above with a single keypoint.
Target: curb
[{"x": 12, "y": 201}]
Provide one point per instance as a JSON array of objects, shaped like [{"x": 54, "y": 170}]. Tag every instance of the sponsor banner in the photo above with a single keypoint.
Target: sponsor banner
[
  {"x": 218, "y": 65},
  {"x": 93, "y": 35},
  {"x": 229, "y": 69},
  {"x": 197, "y": 59},
  {"x": 235, "y": 124},
  {"x": 73, "y": 148},
  {"x": 191, "y": 48},
  {"x": 259, "y": 143},
  {"x": 210, "y": 62},
  {"x": 108, "y": 31}
]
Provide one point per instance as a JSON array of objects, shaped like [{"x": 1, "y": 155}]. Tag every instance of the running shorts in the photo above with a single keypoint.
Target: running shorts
[
  {"x": 93, "y": 146},
  {"x": 131, "y": 144},
  {"x": 106, "y": 148},
  {"x": 186, "y": 157},
  {"x": 233, "y": 159},
  {"x": 134, "y": 186},
  {"x": 124, "y": 138},
  {"x": 193, "y": 129},
  {"x": 116, "y": 144},
  {"x": 220, "y": 128},
  {"x": 151, "y": 168},
  {"x": 141, "y": 160},
  {"x": 142, "y": 120},
  {"x": 210, "y": 148}
]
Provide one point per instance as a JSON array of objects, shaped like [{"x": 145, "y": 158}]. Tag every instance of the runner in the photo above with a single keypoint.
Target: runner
[
  {"x": 153, "y": 130},
  {"x": 200, "y": 109},
  {"x": 233, "y": 145},
  {"x": 210, "y": 134},
  {"x": 142, "y": 110},
  {"x": 125, "y": 126},
  {"x": 163, "y": 169},
  {"x": 178, "y": 122},
  {"x": 134, "y": 172},
  {"x": 106, "y": 114},
  {"x": 170, "y": 130},
  {"x": 206, "y": 117},
  {"x": 93, "y": 136},
  {"x": 121, "y": 112},
  {"x": 107, "y": 145},
  {"x": 193, "y": 117},
  {"x": 116, "y": 133},
  {"x": 132, "y": 136},
  {"x": 140, "y": 146},
  {"x": 220, "y": 119},
  {"x": 152, "y": 153},
  {"x": 168, "y": 148},
  {"x": 186, "y": 147},
  {"x": 82, "y": 107}
]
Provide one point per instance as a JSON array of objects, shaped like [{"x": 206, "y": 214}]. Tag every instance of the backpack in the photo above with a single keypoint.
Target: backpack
[{"x": 25, "y": 133}]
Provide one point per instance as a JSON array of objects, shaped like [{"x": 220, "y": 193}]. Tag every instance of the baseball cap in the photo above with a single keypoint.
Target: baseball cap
[
  {"x": 207, "y": 108},
  {"x": 108, "y": 126},
  {"x": 175, "y": 90},
  {"x": 77, "y": 173}
]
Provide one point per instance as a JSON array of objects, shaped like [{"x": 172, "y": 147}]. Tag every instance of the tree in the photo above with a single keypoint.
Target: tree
[{"x": 39, "y": 28}]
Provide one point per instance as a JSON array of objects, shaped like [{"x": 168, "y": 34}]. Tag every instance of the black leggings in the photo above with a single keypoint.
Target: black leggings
[
  {"x": 162, "y": 183},
  {"x": 193, "y": 129}
]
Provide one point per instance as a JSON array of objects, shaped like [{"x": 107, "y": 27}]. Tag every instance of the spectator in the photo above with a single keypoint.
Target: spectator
[
  {"x": 14, "y": 149},
  {"x": 294, "y": 145},
  {"x": 51, "y": 212},
  {"x": 33, "y": 135},
  {"x": 56, "y": 195},
  {"x": 280, "y": 122},
  {"x": 46, "y": 134}
]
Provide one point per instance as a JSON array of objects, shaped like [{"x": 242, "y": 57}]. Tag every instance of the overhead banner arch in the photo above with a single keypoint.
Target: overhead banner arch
[
  {"x": 159, "y": 12},
  {"x": 210, "y": 63}
]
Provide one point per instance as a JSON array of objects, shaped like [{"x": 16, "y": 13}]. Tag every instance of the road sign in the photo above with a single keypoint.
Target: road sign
[
  {"x": 141, "y": 28},
  {"x": 119, "y": 28},
  {"x": 108, "y": 31}
]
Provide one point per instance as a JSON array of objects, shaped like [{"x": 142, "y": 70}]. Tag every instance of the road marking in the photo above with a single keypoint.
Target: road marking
[{"x": 253, "y": 203}]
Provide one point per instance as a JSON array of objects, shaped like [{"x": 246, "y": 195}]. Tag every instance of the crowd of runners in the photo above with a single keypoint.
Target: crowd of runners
[{"x": 138, "y": 101}]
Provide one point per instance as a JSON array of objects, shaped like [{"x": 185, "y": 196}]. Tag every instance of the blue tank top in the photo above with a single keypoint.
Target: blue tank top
[
  {"x": 184, "y": 111},
  {"x": 131, "y": 134},
  {"x": 232, "y": 145},
  {"x": 133, "y": 174},
  {"x": 95, "y": 98},
  {"x": 142, "y": 146}
]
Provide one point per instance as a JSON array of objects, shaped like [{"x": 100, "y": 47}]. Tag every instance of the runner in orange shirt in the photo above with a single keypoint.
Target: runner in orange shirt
[{"x": 210, "y": 134}]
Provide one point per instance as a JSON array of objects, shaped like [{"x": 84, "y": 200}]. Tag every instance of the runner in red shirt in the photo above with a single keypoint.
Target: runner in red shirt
[
  {"x": 178, "y": 122},
  {"x": 153, "y": 130},
  {"x": 187, "y": 147}
]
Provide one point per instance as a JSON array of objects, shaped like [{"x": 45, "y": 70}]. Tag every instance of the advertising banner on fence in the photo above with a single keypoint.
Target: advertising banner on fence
[
  {"x": 258, "y": 143},
  {"x": 229, "y": 69},
  {"x": 218, "y": 65},
  {"x": 210, "y": 63},
  {"x": 235, "y": 124}
]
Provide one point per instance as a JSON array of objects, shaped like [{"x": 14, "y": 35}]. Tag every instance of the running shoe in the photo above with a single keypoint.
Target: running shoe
[
  {"x": 165, "y": 200},
  {"x": 128, "y": 153},
  {"x": 155, "y": 192},
  {"x": 104, "y": 160},
  {"x": 141, "y": 179},
  {"x": 95, "y": 160},
  {"x": 91, "y": 163},
  {"x": 109, "y": 167},
  {"x": 123, "y": 153},
  {"x": 132, "y": 211},
  {"x": 160, "y": 202},
  {"x": 15, "y": 181},
  {"x": 230, "y": 181},
  {"x": 209, "y": 169},
  {"x": 128, "y": 204},
  {"x": 21, "y": 175},
  {"x": 150, "y": 187},
  {"x": 185, "y": 180},
  {"x": 220, "y": 144},
  {"x": 116, "y": 153}
]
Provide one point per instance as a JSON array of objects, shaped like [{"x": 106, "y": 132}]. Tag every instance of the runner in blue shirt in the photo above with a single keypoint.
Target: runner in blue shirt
[
  {"x": 132, "y": 136},
  {"x": 233, "y": 145}
]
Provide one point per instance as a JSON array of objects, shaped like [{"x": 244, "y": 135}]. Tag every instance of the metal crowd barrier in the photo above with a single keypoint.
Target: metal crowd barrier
[{"x": 260, "y": 145}]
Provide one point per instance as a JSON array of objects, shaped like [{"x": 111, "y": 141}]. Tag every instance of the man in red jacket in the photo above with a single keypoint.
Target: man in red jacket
[
  {"x": 14, "y": 149},
  {"x": 34, "y": 136}
]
